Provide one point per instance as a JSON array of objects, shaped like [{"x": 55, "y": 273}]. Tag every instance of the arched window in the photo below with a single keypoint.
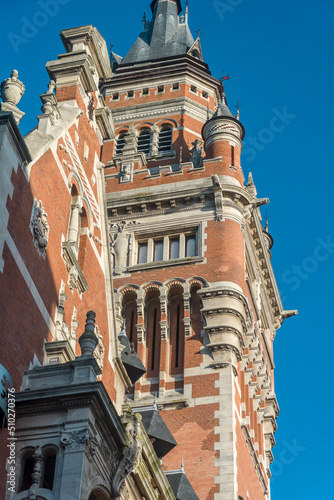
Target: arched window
[
  {"x": 49, "y": 470},
  {"x": 27, "y": 470},
  {"x": 153, "y": 337},
  {"x": 144, "y": 139},
  {"x": 130, "y": 316},
  {"x": 165, "y": 138},
  {"x": 74, "y": 222},
  {"x": 176, "y": 326},
  {"x": 120, "y": 143}
]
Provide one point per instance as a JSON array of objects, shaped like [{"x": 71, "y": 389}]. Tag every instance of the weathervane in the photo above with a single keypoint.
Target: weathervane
[{"x": 199, "y": 33}]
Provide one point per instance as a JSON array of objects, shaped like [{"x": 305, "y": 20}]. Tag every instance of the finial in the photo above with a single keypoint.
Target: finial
[
  {"x": 180, "y": 155},
  {"x": 238, "y": 110},
  {"x": 187, "y": 12},
  {"x": 88, "y": 340},
  {"x": 250, "y": 181},
  {"x": 267, "y": 223},
  {"x": 155, "y": 404},
  {"x": 182, "y": 465},
  {"x": 51, "y": 87},
  {"x": 11, "y": 92},
  {"x": 144, "y": 21}
]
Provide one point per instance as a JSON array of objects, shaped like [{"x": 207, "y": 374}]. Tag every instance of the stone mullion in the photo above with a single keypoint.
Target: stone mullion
[
  {"x": 141, "y": 341},
  {"x": 186, "y": 310}
]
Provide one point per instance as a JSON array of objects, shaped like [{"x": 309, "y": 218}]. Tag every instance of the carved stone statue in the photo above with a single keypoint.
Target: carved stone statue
[{"x": 197, "y": 153}]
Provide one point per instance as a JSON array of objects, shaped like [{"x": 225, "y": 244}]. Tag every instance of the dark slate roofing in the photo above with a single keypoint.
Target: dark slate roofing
[
  {"x": 130, "y": 359},
  {"x": 223, "y": 109},
  {"x": 181, "y": 486},
  {"x": 165, "y": 37},
  {"x": 162, "y": 439}
]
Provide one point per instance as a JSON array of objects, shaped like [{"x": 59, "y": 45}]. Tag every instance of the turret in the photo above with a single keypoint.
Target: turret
[{"x": 223, "y": 135}]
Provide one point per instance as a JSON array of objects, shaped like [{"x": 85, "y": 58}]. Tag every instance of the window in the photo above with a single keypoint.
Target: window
[
  {"x": 165, "y": 139},
  {"x": 193, "y": 88},
  {"x": 176, "y": 325},
  {"x": 28, "y": 469},
  {"x": 130, "y": 93},
  {"x": 174, "y": 248},
  {"x": 160, "y": 88},
  {"x": 120, "y": 143},
  {"x": 49, "y": 471},
  {"x": 176, "y": 86},
  {"x": 158, "y": 250},
  {"x": 205, "y": 94},
  {"x": 145, "y": 91},
  {"x": 161, "y": 248},
  {"x": 142, "y": 253},
  {"x": 232, "y": 156},
  {"x": 144, "y": 139},
  {"x": 190, "y": 246},
  {"x": 115, "y": 96}
]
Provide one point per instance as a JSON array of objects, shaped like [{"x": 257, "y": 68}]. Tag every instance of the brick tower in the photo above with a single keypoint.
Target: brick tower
[{"x": 191, "y": 260}]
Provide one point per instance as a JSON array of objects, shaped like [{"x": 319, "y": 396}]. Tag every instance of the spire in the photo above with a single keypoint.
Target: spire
[
  {"x": 165, "y": 36},
  {"x": 238, "y": 110},
  {"x": 186, "y": 13}
]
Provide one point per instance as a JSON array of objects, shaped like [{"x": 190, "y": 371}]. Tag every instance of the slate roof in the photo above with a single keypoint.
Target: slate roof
[
  {"x": 181, "y": 486},
  {"x": 162, "y": 439},
  {"x": 165, "y": 37}
]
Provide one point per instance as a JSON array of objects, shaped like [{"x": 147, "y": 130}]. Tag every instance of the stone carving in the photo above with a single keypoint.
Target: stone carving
[
  {"x": 218, "y": 194},
  {"x": 99, "y": 350},
  {"x": 75, "y": 440},
  {"x": 197, "y": 153},
  {"x": 127, "y": 172},
  {"x": 90, "y": 108},
  {"x": 11, "y": 92},
  {"x": 39, "y": 227},
  {"x": 49, "y": 103},
  {"x": 120, "y": 245},
  {"x": 131, "y": 453}
]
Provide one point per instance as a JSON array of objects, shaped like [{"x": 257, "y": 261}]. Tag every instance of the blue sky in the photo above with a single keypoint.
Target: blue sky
[{"x": 279, "y": 57}]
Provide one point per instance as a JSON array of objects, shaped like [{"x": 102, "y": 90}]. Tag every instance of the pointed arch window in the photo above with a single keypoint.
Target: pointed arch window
[
  {"x": 120, "y": 143},
  {"x": 165, "y": 139},
  {"x": 144, "y": 139}
]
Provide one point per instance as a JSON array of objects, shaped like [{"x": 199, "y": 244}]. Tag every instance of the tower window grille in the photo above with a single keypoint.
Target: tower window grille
[
  {"x": 143, "y": 143},
  {"x": 165, "y": 139},
  {"x": 120, "y": 143}
]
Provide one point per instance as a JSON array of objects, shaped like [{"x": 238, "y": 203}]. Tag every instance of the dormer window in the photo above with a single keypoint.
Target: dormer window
[{"x": 165, "y": 139}]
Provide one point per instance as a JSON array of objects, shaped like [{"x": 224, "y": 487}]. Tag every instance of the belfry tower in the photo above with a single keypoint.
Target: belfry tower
[{"x": 192, "y": 271}]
